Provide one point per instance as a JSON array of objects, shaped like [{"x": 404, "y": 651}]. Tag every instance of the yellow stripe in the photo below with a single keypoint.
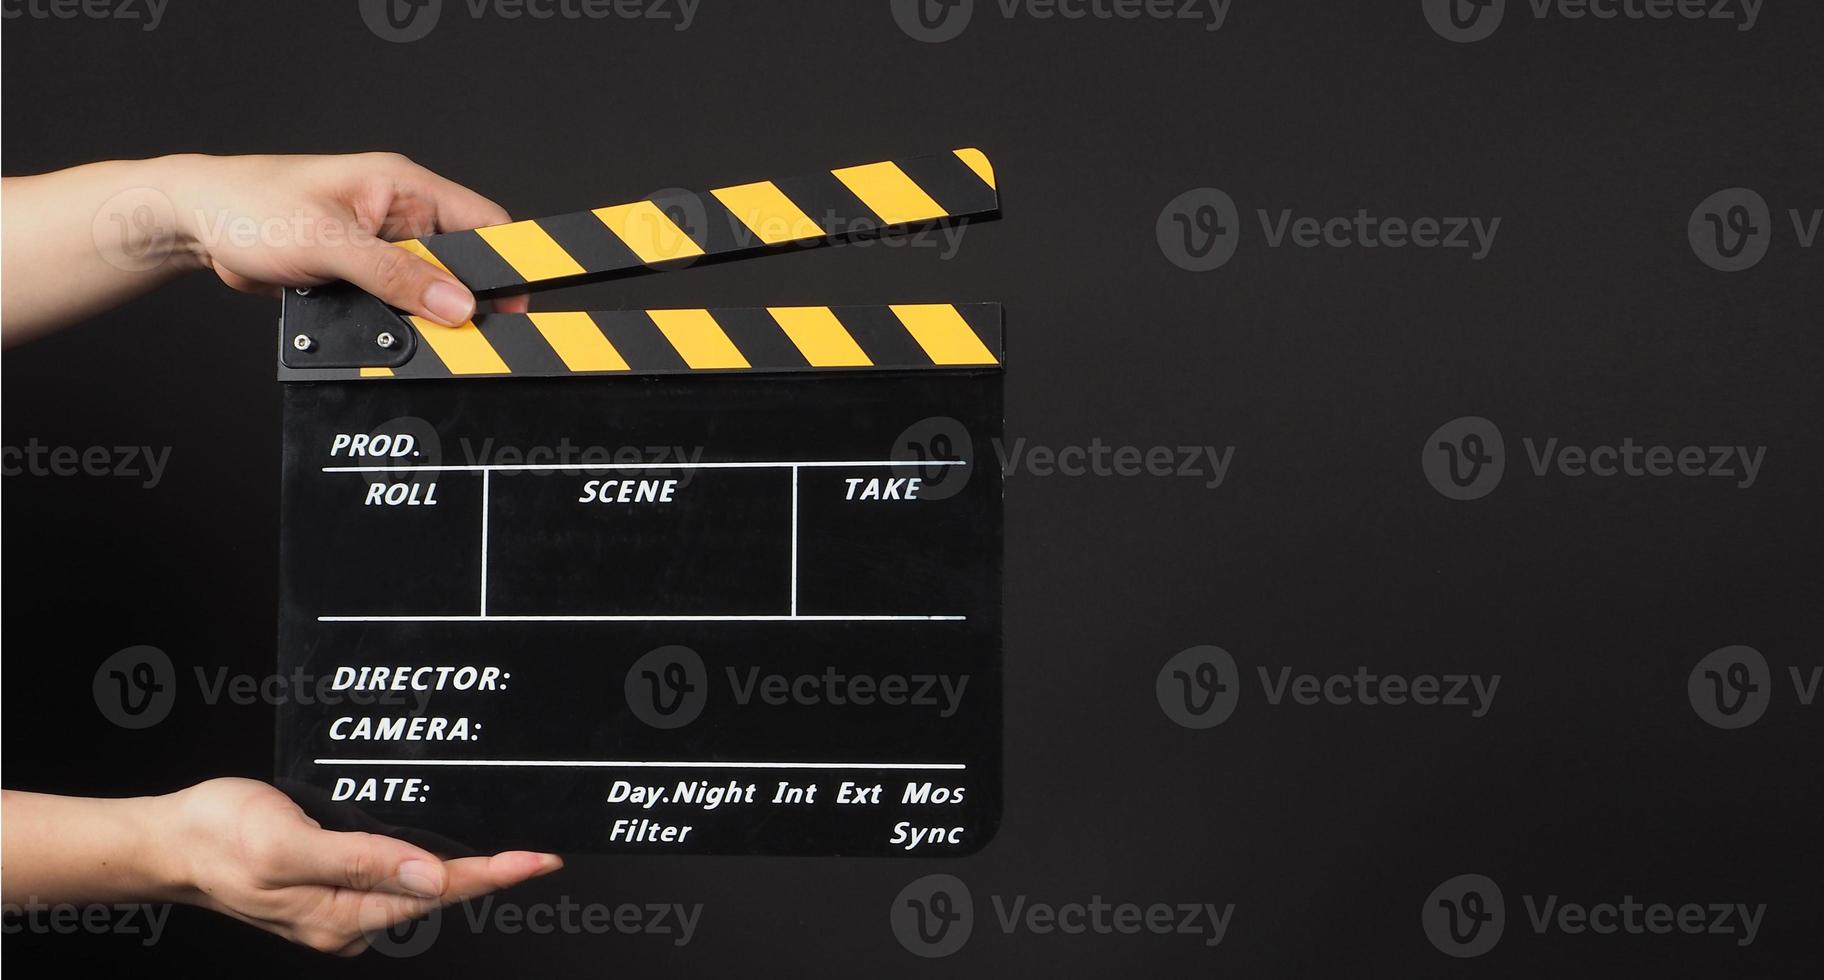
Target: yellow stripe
[
  {"x": 578, "y": 341},
  {"x": 768, "y": 213},
  {"x": 978, "y": 162},
  {"x": 461, "y": 349},
  {"x": 376, "y": 372},
  {"x": 820, "y": 336},
  {"x": 530, "y": 251},
  {"x": 888, "y": 192},
  {"x": 648, "y": 231},
  {"x": 417, "y": 248},
  {"x": 698, "y": 338},
  {"x": 941, "y": 331}
]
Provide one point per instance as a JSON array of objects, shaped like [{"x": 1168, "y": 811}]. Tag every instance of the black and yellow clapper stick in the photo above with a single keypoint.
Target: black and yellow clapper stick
[{"x": 720, "y": 580}]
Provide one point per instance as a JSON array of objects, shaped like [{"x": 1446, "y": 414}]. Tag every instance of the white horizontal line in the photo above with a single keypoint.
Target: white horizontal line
[
  {"x": 628, "y": 764},
  {"x": 757, "y": 465},
  {"x": 640, "y": 619}
]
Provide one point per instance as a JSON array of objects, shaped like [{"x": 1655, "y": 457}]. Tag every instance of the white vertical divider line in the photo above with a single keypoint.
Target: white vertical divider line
[
  {"x": 484, "y": 542},
  {"x": 794, "y": 540}
]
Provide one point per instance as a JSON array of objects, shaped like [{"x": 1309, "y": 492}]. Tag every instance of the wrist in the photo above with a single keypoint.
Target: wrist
[
  {"x": 163, "y": 841},
  {"x": 183, "y": 181}
]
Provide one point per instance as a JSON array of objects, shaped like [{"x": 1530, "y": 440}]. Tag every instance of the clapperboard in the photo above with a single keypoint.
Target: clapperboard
[{"x": 706, "y": 581}]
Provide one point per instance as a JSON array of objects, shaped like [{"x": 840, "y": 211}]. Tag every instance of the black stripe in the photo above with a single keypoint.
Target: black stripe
[
  {"x": 950, "y": 183},
  {"x": 638, "y": 339},
  {"x": 473, "y": 261},
  {"x": 759, "y": 338},
  {"x": 831, "y": 205},
  {"x": 985, "y": 320},
  {"x": 882, "y": 337},
  {"x": 519, "y": 343},
  {"x": 424, "y": 363},
  {"x": 589, "y": 242},
  {"x": 707, "y": 221}
]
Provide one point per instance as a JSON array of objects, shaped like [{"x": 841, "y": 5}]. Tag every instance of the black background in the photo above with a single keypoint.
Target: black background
[{"x": 1591, "y": 778}]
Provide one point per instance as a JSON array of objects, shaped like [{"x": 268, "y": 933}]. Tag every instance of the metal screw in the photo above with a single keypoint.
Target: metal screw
[
  {"x": 302, "y": 290},
  {"x": 385, "y": 340},
  {"x": 302, "y": 342}
]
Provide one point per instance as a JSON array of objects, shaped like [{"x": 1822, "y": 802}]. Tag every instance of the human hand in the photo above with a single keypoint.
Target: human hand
[
  {"x": 263, "y": 223},
  {"x": 244, "y": 849}
]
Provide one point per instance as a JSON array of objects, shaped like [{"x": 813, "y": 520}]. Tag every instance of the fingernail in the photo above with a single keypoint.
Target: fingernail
[
  {"x": 422, "y": 878},
  {"x": 449, "y": 303}
]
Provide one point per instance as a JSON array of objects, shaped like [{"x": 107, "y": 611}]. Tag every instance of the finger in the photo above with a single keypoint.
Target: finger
[
  {"x": 513, "y": 303},
  {"x": 468, "y": 878},
  {"x": 456, "y": 207},
  {"x": 475, "y": 876},
  {"x": 243, "y": 284},
  {"x": 401, "y": 279},
  {"x": 356, "y": 947},
  {"x": 363, "y": 862}
]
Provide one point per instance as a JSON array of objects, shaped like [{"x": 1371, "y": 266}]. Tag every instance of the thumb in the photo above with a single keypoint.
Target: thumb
[
  {"x": 402, "y": 279},
  {"x": 364, "y": 862}
]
